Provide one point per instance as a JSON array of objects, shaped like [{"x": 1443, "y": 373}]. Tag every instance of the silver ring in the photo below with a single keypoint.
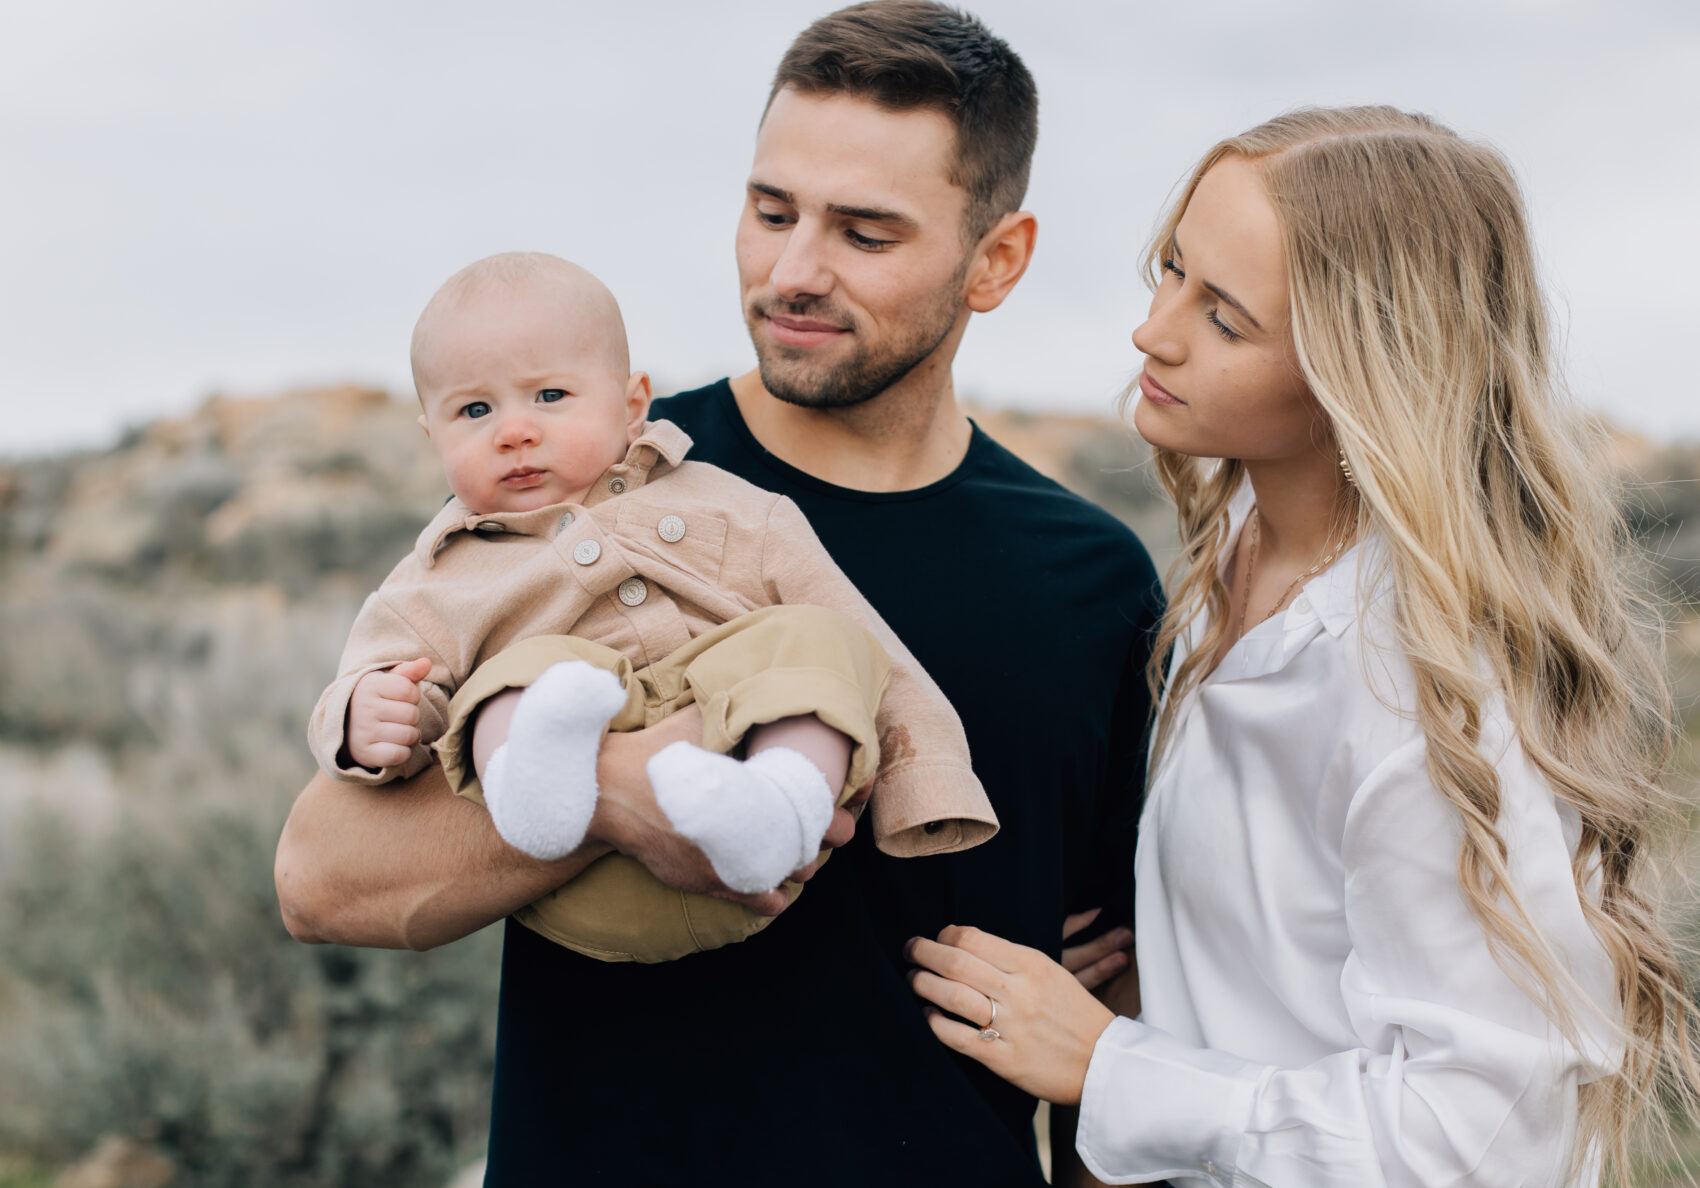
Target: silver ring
[{"x": 988, "y": 1032}]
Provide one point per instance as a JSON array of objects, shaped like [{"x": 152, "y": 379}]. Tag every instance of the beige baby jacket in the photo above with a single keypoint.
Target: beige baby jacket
[{"x": 660, "y": 550}]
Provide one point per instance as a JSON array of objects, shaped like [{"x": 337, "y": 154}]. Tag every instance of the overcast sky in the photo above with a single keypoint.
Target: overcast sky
[{"x": 244, "y": 198}]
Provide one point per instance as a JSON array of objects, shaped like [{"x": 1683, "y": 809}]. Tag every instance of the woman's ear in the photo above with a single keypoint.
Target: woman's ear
[{"x": 1003, "y": 255}]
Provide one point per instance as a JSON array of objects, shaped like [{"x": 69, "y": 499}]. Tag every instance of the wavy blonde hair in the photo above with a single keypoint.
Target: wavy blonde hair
[{"x": 1420, "y": 328}]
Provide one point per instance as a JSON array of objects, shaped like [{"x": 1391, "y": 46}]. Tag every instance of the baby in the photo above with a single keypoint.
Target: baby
[{"x": 615, "y": 582}]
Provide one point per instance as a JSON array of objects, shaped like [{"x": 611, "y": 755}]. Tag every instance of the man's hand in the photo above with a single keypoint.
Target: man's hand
[
  {"x": 1096, "y": 961},
  {"x": 383, "y": 715},
  {"x": 628, "y": 819}
]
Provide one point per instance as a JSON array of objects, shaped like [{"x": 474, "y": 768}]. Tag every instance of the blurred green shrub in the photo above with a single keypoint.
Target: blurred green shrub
[{"x": 147, "y": 988}]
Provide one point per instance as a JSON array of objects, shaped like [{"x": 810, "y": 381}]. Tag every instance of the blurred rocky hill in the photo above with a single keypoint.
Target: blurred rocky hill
[{"x": 194, "y": 583}]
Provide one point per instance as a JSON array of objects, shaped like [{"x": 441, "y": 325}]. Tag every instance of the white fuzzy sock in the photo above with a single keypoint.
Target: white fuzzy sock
[
  {"x": 757, "y": 819},
  {"x": 540, "y": 785}
]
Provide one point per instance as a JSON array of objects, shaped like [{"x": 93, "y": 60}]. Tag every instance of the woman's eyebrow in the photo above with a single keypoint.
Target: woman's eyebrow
[
  {"x": 1221, "y": 293},
  {"x": 1228, "y": 299}
]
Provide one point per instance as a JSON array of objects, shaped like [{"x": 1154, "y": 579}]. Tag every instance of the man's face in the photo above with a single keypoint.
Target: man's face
[{"x": 850, "y": 249}]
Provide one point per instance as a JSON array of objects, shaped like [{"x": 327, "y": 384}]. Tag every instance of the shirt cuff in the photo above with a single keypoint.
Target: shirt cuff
[{"x": 1155, "y": 1108}]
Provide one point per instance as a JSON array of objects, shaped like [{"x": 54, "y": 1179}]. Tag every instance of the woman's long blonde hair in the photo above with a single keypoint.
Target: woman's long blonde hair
[{"x": 1420, "y": 328}]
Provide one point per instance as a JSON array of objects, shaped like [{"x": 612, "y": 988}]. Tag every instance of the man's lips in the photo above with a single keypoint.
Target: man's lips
[
  {"x": 525, "y": 476},
  {"x": 1155, "y": 392},
  {"x": 789, "y": 330}
]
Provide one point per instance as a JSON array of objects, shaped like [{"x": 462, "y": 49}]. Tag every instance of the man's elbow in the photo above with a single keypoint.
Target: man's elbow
[{"x": 304, "y": 914}]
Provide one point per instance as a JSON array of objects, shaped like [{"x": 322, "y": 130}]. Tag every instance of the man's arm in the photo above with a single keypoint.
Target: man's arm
[
  {"x": 410, "y": 865},
  {"x": 406, "y": 865}
]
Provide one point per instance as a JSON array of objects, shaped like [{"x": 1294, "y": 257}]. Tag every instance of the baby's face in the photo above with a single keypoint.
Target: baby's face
[{"x": 524, "y": 400}]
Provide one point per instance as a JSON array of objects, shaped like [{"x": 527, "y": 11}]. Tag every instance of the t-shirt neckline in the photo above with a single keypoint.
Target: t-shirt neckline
[{"x": 978, "y": 442}]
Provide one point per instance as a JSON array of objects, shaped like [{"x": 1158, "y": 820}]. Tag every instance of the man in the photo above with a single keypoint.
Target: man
[{"x": 881, "y": 212}]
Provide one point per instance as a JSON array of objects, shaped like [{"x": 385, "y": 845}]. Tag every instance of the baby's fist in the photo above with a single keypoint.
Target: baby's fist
[{"x": 383, "y": 714}]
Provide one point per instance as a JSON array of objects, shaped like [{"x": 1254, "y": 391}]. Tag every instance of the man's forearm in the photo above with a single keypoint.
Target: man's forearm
[
  {"x": 409, "y": 865},
  {"x": 404, "y": 865}
]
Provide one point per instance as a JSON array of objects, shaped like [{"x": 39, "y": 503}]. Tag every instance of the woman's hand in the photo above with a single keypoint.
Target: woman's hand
[
  {"x": 1046, "y": 1023},
  {"x": 1096, "y": 961}
]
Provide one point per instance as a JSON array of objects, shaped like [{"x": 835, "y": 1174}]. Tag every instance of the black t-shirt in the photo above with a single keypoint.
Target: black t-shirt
[{"x": 800, "y": 1055}]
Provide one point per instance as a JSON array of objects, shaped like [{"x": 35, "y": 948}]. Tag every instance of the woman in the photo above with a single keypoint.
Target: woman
[{"x": 1390, "y": 926}]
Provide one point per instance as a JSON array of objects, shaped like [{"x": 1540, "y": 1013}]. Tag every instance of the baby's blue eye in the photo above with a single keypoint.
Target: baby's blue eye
[
  {"x": 477, "y": 408},
  {"x": 550, "y": 395}
]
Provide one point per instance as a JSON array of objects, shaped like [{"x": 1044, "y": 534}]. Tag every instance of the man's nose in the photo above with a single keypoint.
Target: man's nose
[{"x": 802, "y": 269}]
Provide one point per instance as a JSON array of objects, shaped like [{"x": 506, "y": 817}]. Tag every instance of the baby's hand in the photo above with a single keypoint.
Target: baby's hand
[{"x": 383, "y": 714}]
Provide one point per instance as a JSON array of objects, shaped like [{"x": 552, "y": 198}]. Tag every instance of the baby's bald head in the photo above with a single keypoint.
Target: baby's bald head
[{"x": 568, "y": 291}]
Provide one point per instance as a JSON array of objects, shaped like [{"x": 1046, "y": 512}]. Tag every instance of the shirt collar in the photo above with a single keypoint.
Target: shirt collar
[
  {"x": 659, "y": 448},
  {"x": 1332, "y": 596}
]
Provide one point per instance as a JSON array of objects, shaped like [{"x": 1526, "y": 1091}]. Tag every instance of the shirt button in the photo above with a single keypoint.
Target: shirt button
[
  {"x": 671, "y": 529},
  {"x": 932, "y": 827},
  {"x": 616, "y": 485},
  {"x": 487, "y": 527},
  {"x": 1209, "y": 1167},
  {"x": 585, "y": 552},
  {"x": 633, "y": 591},
  {"x": 565, "y": 522},
  {"x": 1302, "y": 605}
]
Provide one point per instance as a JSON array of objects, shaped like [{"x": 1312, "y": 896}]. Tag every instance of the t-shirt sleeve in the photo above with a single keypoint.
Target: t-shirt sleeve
[{"x": 1109, "y": 881}]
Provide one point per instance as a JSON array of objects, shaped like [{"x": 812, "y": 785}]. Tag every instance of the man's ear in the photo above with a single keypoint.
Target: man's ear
[
  {"x": 637, "y": 403},
  {"x": 1002, "y": 256}
]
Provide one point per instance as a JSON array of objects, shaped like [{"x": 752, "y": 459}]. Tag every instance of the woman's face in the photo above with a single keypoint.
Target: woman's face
[{"x": 1221, "y": 379}]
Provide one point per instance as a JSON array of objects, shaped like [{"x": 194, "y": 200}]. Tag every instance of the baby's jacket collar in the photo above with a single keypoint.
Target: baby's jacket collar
[{"x": 661, "y": 446}]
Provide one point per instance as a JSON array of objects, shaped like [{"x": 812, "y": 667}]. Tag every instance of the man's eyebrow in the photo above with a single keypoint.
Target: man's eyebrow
[
  {"x": 1221, "y": 293},
  {"x": 774, "y": 192},
  {"x": 875, "y": 214},
  {"x": 868, "y": 214}
]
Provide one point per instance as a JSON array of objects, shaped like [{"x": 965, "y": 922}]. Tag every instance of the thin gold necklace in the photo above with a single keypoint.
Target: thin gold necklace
[{"x": 1251, "y": 567}]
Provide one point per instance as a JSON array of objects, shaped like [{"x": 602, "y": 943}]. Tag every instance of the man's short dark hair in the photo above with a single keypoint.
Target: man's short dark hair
[{"x": 908, "y": 54}]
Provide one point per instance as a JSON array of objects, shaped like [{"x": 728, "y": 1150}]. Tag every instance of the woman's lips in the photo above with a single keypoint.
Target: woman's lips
[
  {"x": 1155, "y": 392},
  {"x": 802, "y": 332}
]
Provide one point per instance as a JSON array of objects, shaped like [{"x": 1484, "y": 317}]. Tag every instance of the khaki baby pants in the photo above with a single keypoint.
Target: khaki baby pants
[{"x": 777, "y": 662}]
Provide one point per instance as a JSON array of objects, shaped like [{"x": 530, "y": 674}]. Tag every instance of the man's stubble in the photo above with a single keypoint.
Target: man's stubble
[{"x": 869, "y": 371}]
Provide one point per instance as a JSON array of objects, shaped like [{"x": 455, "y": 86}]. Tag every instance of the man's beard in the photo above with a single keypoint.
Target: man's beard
[{"x": 868, "y": 372}]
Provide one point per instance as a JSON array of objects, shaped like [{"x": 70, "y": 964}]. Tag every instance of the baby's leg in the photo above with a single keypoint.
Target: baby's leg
[
  {"x": 540, "y": 785},
  {"x": 760, "y": 818}
]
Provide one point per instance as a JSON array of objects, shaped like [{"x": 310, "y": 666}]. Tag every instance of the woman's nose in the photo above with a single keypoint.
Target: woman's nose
[{"x": 1155, "y": 337}]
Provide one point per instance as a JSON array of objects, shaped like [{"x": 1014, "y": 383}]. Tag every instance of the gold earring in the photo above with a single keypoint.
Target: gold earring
[{"x": 1346, "y": 469}]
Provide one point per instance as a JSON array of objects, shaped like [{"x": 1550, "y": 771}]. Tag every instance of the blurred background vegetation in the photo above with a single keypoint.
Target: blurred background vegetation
[{"x": 169, "y": 611}]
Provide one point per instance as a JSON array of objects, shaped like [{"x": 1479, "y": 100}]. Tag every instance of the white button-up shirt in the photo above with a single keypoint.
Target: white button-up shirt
[{"x": 1319, "y": 1005}]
